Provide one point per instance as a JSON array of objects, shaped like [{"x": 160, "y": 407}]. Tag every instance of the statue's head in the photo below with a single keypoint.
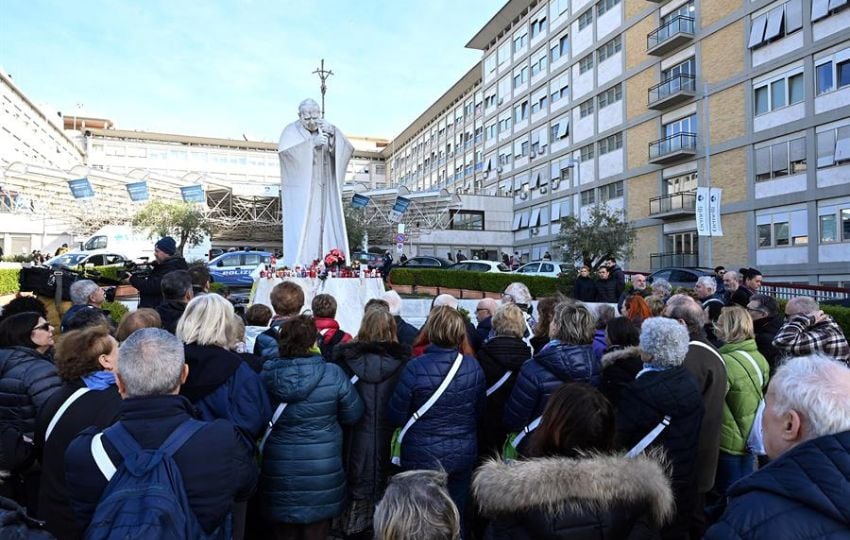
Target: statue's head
[{"x": 310, "y": 114}]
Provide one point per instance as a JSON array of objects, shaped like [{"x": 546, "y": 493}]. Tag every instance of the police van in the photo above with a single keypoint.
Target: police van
[{"x": 234, "y": 268}]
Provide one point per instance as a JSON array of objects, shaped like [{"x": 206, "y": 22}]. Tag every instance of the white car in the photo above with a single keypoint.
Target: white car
[
  {"x": 543, "y": 268},
  {"x": 73, "y": 259},
  {"x": 480, "y": 266}
]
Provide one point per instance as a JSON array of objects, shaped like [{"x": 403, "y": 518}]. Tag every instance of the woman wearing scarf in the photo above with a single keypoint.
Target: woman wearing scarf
[{"x": 86, "y": 360}]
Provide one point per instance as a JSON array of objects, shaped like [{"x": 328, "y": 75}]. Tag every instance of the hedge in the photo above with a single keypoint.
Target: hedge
[
  {"x": 480, "y": 281},
  {"x": 9, "y": 280}
]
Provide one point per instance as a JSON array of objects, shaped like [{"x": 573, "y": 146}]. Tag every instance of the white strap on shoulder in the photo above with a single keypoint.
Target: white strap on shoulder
[
  {"x": 499, "y": 383},
  {"x": 708, "y": 348},
  {"x": 68, "y": 402},
  {"x": 101, "y": 458},
  {"x": 650, "y": 437},
  {"x": 272, "y": 422},
  {"x": 756, "y": 367},
  {"x": 354, "y": 379},
  {"x": 525, "y": 431},
  {"x": 434, "y": 397}
]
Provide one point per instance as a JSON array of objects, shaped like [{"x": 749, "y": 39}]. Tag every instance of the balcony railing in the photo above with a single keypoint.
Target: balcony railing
[
  {"x": 672, "y": 34},
  {"x": 658, "y": 261},
  {"x": 672, "y": 91},
  {"x": 673, "y": 147},
  {"x": 675, "y": 204}
]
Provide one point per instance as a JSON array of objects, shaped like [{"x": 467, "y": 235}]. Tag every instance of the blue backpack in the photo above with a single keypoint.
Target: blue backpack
[{"x": 145, "y": 497}]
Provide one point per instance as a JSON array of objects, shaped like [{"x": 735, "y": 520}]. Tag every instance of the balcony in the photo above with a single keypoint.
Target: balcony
[
  {"x": 673, "y": 34},
  {"x": 657, "y": 261},
  {"x": 673, "y": 148},
  {"x": 677, "y": 204},
  {"x": 672, "y": 91}
]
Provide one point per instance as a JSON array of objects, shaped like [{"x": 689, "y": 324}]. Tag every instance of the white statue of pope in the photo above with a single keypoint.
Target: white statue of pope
[{"x": 313, "y": 158}]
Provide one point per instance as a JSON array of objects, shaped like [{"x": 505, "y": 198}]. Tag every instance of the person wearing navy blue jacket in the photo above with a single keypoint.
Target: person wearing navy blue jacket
[
  {"x": 445, "y": 437},
  {"x": 567, "y": 357},
  {"x": 805, "y": 491},
  {"x": 215, "y": 466}
]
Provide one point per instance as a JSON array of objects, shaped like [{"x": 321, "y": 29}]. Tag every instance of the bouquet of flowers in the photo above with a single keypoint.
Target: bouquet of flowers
[{"x": 335, "y": 259}]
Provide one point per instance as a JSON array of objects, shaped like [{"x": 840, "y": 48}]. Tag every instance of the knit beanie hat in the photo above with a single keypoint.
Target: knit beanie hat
[{"x": 167, "y": 245}]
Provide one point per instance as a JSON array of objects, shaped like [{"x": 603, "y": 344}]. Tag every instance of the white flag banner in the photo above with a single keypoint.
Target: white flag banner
[
  {"x": 714, "y": 225},
  {"x": 702, "y": 211}
]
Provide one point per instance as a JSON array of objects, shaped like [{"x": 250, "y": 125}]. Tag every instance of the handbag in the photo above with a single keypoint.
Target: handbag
[
  {"x": 398, "y": 435},
  {"x": 755, "y": 440},
  {"x": 509, "y": 449}
]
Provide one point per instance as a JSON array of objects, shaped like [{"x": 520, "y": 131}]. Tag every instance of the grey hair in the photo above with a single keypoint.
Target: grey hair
[
  {"x": 519, "y": 292},
  {"x": 417, "y": 506},
  {"x": 573, "y": 324},
  {"x": 734, "y": 275},
  {"x": 394, "y": 301},
  {"x": 445, "y": 300},
  {"x": 205, "y": 321},
  {"x": 665, "y": 340},
  {"x": 818, "y": 389},
  {"x": 150, "y": 363},
  {"x": 82, "y": 289},
  {"x": 708, "y": 282},
  {"x": 309, "y": 102},
  {"x": 804, "y": 304},
  {"x": 663, "y": 285},
  {"x": 684, "y": 308}
]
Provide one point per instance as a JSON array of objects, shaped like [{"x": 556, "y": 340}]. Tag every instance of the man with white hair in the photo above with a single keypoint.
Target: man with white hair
[
  {"x": 484, "y": 312},
  {"x": 731, "y": 282},
  {"x": 216, "y": 466},
  {"x": 706, "y": 291},
  {"x": 804, "y": 491},
  {"x": 809, "y": 330},
  {"x": 85, "y": 294},
  {"x": 406, "y": 331}
]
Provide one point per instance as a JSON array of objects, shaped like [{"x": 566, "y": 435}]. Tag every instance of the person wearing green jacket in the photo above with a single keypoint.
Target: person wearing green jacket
[{"x": 747, "y": 374}]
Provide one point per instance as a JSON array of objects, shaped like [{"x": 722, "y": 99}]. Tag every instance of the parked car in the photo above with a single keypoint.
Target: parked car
[
  {"x": 234, "y": 268},
  {"x": 480, "y": 266},
  {"x": 680, "y": 276},
  {"x": 543, "y": 268},
  {"x": 74, "y": 259},
  {"x": 371, "y": 260},
  {"x": 424, "y": 261}
]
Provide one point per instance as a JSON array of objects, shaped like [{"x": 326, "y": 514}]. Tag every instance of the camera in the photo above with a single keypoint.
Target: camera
[
  {"x": 109, "y": 293},
  {"x": 138, "y": 269}
]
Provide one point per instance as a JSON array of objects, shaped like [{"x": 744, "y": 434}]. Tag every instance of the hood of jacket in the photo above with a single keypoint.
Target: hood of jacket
[
  {"x": 569, "y": 362},
  {"x": 587, "y": 483},
  {"x": 210, "y": 366},
  {"x": 748, "y": 345},
  {"x": 673, "y": 390},
  {"x": 372, "y": 361},
  {"x": 325, "y": 323},
  {"x": 769, "y": 325},
  {"x": 291, "y": 380},
  {"x": 813, "y": 474},
  {"x": 509, "y": 352},
  {"x": 170, "y": 264},
  {"x": 613, "y": 356}
]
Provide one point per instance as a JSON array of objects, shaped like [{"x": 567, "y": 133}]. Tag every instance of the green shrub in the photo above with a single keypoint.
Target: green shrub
[
  {"x": 116, "y": 310},
  {"x": 841, "y": 316},
  {"x": 216, "y": 287},
  {"x": 9, "y": 280},
  {"x": 18, "y": 258},
  {"x": 401, "y": 276},
  {"x": 108, "y": 272}
]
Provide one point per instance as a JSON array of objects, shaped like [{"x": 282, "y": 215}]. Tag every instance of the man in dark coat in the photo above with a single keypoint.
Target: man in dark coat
[
  {"x": 803, "y": 492},
  {"x": 606, "y": 286},
  {"x": 584, "y": 289},
  {"x": 167, "y": 260},
  {"x": 406, "y": 332},
  {"x": 767, "y": 322},
  {"x": 150, "y": 371},
  {"x": 484, "y": 312},
  {"x": 617, "y": 275},
  {"x": 177, "y": 291}
]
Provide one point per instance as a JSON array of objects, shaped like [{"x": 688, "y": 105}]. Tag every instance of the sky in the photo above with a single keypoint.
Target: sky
[{"x": 240, "y": 67}]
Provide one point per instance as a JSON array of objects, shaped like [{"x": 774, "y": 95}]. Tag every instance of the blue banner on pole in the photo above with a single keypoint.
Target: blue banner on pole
[
  {"x": 81, "y": 188},
  {"x": 359, "y": 201},
  {"x": 138, "y": 191},
  {"x": 194, "y": 194},
  {"x": 401, "y": 204}
]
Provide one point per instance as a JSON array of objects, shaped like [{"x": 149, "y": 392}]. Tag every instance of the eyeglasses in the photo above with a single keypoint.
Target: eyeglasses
[
  {"x": 46, "y": 327},
  {"x": 481, "y": 309}
]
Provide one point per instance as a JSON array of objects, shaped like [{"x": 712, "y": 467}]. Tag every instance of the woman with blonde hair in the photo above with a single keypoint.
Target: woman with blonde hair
[
  {"x": 444, "y": 436},
  {"x": 747, "y": 374},
  {"x": 417, "y": 506},
  {"x": 567, "y": 357},
  {"x": 373, "y": 362},
  {"x": 86, "y": 360}
]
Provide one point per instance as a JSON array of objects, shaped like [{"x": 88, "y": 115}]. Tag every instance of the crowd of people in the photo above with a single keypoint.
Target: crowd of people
[{"x": 711, "y": 416}]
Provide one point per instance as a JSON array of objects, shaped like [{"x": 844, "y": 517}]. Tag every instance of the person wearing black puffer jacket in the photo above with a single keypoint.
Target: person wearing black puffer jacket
[
  {"x": 501, "y": 358},
  {"x": 373, "y": 362},
  {"x": 568, "y": 357},
  {"x": 584, "y": 289},
  {"x": 621, "y": 361},
  {"x": 606, "y": 286},
  {"x": 167, "y": 260}
]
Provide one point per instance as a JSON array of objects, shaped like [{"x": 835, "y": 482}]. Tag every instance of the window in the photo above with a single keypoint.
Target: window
[
  {"x": 776, "y": 23},
  {"x": 539, "y": 65},
  {"x": 504, "y": 124},
  {"x": 560, "y": 87},
  {"x": 560, "y": 128},
  {"x": 822, "y": 8},
  {"x": 490, "y": 64},
  {"x": 467, "y": 220},
  {"x": 685, "y": 10},
  {"x": 520, "y": 41},
  {"x": 611, "y": 143},
  {"x": 504, "y": 89},
  {"x": 688, "y": 67},
  {"x": 778, "y": 92},
  {"x": 585, "y": 19},
  {"x": 559, "y": 47},
  {"x": 604, "y": 6},
  {"x": 585, "y": 64},
  {"x": 521, "y": 112},
  {"x": 831, "y": 75},
  {"x": 588, "y": 197},
  {"x": 558, "y": 8},
  {"x": 780, "y": 159},
  {"x": 490, "y": 131},
  {"x": 586, "y": 108},
  {"x": 504, "y": 52},
  {"x": 833, "y": 146},
  {"x": 539, "y": 104},
  {"x": 683, "y": 125},
  {"x": 823, "y": 78},
  {"x": 680, "y": 184},
  {"x": 609, "y": 49},
  {"x": 610, "y": 96},
  {"x": 828, "y": 232},
  {"x": 520, "y": 76},
  {"x": 538, "y": 27},
  {"x": 782, "y": 229},
  {"x": 611, "y": 191},
  {"x": 490, "y": 99},
  {"x": 586, "y": 153},
  {"x": 764, "y": 236}
]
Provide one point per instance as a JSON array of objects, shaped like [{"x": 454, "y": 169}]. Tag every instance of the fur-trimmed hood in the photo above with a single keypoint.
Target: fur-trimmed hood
[
  {"x": 594, "y": 482},
  {"x": 611, "y": 357}
]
